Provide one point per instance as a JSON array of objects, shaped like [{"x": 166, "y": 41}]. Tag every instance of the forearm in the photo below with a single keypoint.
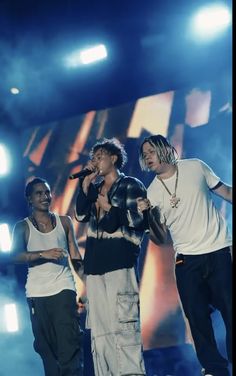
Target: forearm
[
  {"x": 83, "y": 205},
  {"x": 117, "y": 217},
  {"x": 28, "y": 257},
  {"x": 229, "y": 196},
  {"x": 113, "y": 219},
  {"x": 78, "y": 266},
  {"x": 224, "y": 191},
  {"x": 40, "y": 257},
  {"x": 158, "y": 231},
  {"x": 20, "y": 258}
]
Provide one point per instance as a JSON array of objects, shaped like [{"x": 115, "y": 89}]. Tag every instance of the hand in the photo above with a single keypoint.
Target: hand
[
  {"x": 143, "y": 204},
  {"x": 102, "y": 201},
  {"x": 89, "y": 178},
  {"x": 53, "y": 254},
  {"x": 82, "y": 304}
]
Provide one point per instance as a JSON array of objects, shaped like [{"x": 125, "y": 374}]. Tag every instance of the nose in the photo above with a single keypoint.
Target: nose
[{"x": 46, "y": 195}]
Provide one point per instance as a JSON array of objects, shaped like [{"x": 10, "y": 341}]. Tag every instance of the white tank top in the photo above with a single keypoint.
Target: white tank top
[{"x": 49, "y": 278}]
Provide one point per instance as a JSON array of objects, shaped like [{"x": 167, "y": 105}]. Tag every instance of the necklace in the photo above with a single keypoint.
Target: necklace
[
  {"x": 52, "y": 221},
  {"x": 174, "y": 201}
]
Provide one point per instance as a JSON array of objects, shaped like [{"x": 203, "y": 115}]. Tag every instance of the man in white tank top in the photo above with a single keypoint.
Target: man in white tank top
[
  {"x": 45, "y": 241},
  {"x": 179, "y": 202}
]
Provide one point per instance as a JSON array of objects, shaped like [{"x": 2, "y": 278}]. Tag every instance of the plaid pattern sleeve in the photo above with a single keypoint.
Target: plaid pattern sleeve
[{"x": 123, "y": 212}]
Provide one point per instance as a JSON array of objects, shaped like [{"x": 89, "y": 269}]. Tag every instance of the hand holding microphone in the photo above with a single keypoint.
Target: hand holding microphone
[
  {"x": 88, "y": 174},
  {"x": 81, "y": 174},
  {"x": 88, "y": 170}
]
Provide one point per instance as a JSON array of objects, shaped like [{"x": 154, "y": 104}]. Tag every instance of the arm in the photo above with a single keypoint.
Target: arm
[
  {"x": 73, "y": 248},
  {"x": 159, "y": 233},
  {"x": 86, "y": 196},
  {"x": 224, "y": 191},
  {"x": 215, "y": 184},
  {"x": 71, "y": 239},
  {"x": 126, "y": 214},
  {"x": 19, "y": 252}
]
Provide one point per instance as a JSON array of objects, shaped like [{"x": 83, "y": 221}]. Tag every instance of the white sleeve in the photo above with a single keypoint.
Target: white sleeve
[{"x": 211, "y": 178}]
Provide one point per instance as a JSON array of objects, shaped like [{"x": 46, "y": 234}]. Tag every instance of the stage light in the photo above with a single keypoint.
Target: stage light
[
  {"x": 93, "y": 54},
  {"x": 11, "y": 318},
  {"x": 5, "y": 238},
  {"x": 210, "y": 21},
  {"x": 14, "y": 90},
  {"x": 4, "y": 160},
  {"x": 86, "y": 56}
]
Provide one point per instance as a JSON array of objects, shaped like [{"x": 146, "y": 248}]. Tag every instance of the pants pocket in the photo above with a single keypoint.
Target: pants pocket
[
  {"x": 128, "y": 307},
  {"x": 130, "y": 355}
]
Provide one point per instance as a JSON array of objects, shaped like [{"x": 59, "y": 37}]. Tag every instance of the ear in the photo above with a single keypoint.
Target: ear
[
  {"x": 29, "y": 201},
  {"x": 114, "y": 159}
]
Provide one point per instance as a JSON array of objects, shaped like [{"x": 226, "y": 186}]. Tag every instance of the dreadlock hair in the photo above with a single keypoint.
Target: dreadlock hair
[
  {"x": 31, "y": 184},
  {"x": 113, "y": 147},
  {"x": 165, "y": 151}
]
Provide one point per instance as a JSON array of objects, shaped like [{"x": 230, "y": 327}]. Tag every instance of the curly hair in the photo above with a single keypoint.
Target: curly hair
[
  {"x": 113, "y": 147},
  {"x": 165, "y": 151}
]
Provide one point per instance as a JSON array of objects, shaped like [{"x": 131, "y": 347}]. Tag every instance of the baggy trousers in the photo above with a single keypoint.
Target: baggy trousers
[
  {"x": 58, "y": 338},
  {"x": 113, "y": 317}
]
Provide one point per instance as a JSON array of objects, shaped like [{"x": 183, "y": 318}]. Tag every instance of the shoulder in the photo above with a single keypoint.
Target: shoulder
[
  {"x": 131, "y": 180},
  {"x": 66, "y": 221},
  {"x": 65, "y": 218},
  {"x": 21, "y": 226},
  {"x": 21, "y": 231},
  {"x": 190, "y": 163},
  {"x": 154, "y": 182}
]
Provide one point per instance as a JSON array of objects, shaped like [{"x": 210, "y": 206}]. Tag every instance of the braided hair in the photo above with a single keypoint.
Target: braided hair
[{"x": 165, "y": 151}]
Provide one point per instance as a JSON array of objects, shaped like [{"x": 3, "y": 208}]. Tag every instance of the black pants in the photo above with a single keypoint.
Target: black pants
[
  {"x": 205, "y": 280},
  {"x": 58, "y": 339}
]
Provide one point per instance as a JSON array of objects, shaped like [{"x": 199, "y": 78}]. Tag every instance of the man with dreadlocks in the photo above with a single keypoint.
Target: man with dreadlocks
[{"x": 179, "y": 203}]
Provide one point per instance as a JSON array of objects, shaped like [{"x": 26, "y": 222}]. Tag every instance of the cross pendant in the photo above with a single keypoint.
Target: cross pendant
[{"x": 174, "y": 201}]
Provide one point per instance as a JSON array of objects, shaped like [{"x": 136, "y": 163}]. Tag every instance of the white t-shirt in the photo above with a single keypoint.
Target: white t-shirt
[
  {"x": 196, "y": 226},
  {"x": 49, "y": 278}
]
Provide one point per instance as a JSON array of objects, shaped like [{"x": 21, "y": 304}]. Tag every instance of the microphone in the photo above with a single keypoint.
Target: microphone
[
  {"x": 81, "y": 174},
  {"x": 146, "y": 221}
]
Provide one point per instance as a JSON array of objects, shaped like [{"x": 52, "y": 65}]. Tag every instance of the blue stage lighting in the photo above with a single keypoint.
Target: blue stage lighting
[
  {"x": 5, "y": 238},
  {"x": 11, "y": 317},
  {"x": 14, "y": 90},
  {"x": 4, "y": 160},
  {"x": 86, "y": 56},
  {"x": 209, "y": 21},
  {"x": 93, "y": 54}
]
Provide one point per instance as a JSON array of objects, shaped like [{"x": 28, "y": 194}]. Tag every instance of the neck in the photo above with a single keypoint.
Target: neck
[
  {"x": 38, "y": 215},
  {"x": 110, "y": 178},
  {"x": 168, "y": 171},
  {"x": 43, "y": 221}
]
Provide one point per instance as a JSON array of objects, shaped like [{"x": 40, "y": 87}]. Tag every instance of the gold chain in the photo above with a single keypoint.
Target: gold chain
[{"x": 173, "y": 200}]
